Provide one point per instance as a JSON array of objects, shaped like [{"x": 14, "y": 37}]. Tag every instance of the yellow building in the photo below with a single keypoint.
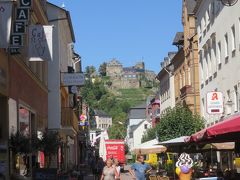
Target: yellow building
[{"x": 185, "y": 62}]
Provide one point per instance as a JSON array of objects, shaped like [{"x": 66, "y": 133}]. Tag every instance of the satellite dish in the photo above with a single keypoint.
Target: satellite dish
[{"x": 229, "y": 2}]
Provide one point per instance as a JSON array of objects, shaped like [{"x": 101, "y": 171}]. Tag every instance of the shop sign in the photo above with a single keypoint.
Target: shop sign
[
  {"x": 214, "y": 103},
  {"x": 40, "y": 43},
  {"x": 18, "y": 30},
  {"x": 73, "y": 79}
]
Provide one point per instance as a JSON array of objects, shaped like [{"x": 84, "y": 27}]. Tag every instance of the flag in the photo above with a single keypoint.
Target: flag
[
  {"x": 40, "y": 43},
  {"x": 5, "y": 23}
]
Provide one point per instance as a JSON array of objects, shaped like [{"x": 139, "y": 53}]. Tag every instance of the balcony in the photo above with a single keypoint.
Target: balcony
[
  {"x": 69, "y": 120},
  {"x": 185, "y": 91}
]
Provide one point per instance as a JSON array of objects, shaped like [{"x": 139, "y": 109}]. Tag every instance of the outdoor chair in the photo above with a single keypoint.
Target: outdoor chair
[
  {"x": 153, "y": 177},
  {"x": 162, "y": 178}
]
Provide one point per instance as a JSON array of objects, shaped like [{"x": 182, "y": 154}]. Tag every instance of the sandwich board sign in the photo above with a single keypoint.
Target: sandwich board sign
[{"x": 214, "y": 103}]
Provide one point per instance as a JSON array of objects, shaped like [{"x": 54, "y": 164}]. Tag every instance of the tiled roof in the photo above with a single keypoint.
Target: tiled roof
[{"x": 179, "y": 38}]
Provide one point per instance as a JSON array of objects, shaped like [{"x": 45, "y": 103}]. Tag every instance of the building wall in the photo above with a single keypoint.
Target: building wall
[
  {"x": 219, "y": 66},
  {"x": 166, "y": 98},
  {"x": 62, "y": 40},
  {"x": 139, "y": 132},
  {"x": 190, "y": 74}
]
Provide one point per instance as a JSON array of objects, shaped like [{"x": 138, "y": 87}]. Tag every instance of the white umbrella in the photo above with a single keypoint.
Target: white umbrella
[
  {"x": 102, "y": 147},
  {"x": 149, "y": 147},
  {"x": 150, "y": 150}
]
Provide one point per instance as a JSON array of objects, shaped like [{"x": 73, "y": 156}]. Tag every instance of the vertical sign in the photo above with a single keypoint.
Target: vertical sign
[
  {"x": 21, "y": 21},
  {"x": 40, "y": 43}
]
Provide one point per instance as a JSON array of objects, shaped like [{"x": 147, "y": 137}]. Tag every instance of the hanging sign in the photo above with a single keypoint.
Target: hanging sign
[
  {"x": 18, "y": 29},
  {"x": 73, "y": 79},
  {"x": 40, "y": 43}
]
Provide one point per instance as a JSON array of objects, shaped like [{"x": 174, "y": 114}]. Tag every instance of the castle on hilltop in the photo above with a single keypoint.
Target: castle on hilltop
[{"x": 127, "y": 77}]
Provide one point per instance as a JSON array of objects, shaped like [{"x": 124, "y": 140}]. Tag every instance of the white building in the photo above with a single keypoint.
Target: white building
[
  {"x": 137, "y": 133},
  {"x": 60, "y": 116},
  {"x": 136, "y": 115},
  {"x": 218, "y": 29},
  {"x": 103, "y": 120},
  {"x": 166, "y": 78}
]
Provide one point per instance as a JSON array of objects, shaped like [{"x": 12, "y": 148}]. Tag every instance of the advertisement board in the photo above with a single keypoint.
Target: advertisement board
[{"x": 115, "y": 149}]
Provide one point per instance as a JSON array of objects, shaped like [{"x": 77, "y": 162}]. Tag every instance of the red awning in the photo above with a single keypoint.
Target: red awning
[{"x": 227, "y": 130}]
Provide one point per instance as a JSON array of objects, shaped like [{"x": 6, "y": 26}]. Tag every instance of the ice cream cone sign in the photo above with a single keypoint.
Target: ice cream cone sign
[{"x": 184, "y": 167}]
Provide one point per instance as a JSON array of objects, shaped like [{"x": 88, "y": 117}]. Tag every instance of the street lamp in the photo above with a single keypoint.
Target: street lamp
[{"x": 229, "y": 2}]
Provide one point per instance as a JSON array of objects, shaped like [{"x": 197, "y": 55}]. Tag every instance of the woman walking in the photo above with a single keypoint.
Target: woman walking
[{"x": 109, "y": 172}]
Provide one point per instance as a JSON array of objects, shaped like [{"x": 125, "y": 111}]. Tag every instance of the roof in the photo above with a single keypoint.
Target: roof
[
  {"x": 190, "y": 4},
  {"x": 139, "y": 113},
  {"x": 101, "y": 113},
  {"x": 178, "y": 39},
  {"x": 68, "y": 16}
]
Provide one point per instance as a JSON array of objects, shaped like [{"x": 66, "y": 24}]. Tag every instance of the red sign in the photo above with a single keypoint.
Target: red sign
[{"x": 116, "y": 150}]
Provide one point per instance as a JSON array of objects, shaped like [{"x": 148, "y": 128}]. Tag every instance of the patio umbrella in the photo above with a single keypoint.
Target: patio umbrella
[
  {"x": 150, "y": 150},
  {"x": 225, "y": 131},
  {"x": 219, "y": 146},
  {"x": 149, "y": 147}
]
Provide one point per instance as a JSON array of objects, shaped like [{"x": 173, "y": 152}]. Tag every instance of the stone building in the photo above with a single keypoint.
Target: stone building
[
  {"x": 127, "y": 77},
  {"x": 185, "y": 62}
]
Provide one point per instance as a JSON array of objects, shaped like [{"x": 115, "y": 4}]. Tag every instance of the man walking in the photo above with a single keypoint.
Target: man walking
[{"x": 139, "y": 168}]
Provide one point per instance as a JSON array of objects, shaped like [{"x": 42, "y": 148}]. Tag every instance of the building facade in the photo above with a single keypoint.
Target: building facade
[
  {"x": 23, "y": 91},
  {"x": 61, "y": 115},
  {"x": 166, "y": 78},
  {"x": 218, "y": 55},
  {"x": 103, "y": 120},
  {"x": 136, "y": 115},
  {"x": 138, "y": 132}
]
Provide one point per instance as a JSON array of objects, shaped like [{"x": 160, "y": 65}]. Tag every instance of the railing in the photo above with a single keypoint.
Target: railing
[
  {"x": 69, "y": 118},
  {"x": 185, "y": 90}
]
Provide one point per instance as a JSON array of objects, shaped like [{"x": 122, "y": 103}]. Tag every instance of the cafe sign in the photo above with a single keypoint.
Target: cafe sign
[{"x": 19, "y": 25}]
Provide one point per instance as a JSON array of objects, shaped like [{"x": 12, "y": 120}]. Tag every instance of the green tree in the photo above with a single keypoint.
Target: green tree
[
  {"x": 149, "y": 135},
  {"x": 102, "y": 69},
  {"x": 176, "y": 122},
  {"x": 89, "y": 70}
]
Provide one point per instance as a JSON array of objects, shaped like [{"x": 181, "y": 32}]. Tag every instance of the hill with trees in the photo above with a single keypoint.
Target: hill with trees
[{"x": 116, "y": 102}]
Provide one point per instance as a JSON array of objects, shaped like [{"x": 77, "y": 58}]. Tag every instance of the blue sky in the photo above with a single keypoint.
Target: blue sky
[{"x": 128, "y": 30}]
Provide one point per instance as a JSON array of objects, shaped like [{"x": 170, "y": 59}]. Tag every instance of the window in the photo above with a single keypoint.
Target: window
[
  {"x": 145, "y": 126},
  {"x": 209, "y": 61},
  {"x": 203, "y": 107},
  {"x": 236, "y": 99},
  {"x": 233, "y": 40},
  {"x": 213, "y": 55},
  {"x": 219, "y": 52},
  {"x": 207, "y": 19},
  {"x": 226, "y": 45}
]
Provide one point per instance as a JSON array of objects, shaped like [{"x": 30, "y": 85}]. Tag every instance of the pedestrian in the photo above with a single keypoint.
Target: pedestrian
[
  {"x": 139, "y": 169},
  {"x": 118, "y": 168},
  {"x": 109, "y": 172},
  {"x": 99, "y": 168}
]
